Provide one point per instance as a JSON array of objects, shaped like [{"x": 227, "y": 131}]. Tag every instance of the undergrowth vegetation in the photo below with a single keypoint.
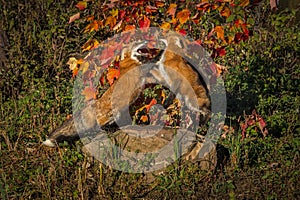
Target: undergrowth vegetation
[{"x": 258, "y": 151}]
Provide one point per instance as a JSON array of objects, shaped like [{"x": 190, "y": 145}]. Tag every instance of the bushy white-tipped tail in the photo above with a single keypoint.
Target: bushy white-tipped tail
[{"x": 48, "y": 143}]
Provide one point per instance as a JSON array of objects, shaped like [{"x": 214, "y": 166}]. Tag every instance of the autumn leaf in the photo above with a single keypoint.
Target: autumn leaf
[
  {"x": 111, "y": 21},
  {"x": 145, "y": 22},
  {"x": 91, "y": 44},
  {"x": 129, "y": 27},
  {"x": 81, "y": 5},
  {"x": 89, "y": 93},
  {"x": 72, "y": 63},
  {"x": 74, "y": 17},
  {"x": 217, "y": 69},
  {"x": 205, "y": 6},
  {"x": 84, "y": 67},
  {"x": 220, "y": 32},
  {"x": 172, "y": 9},
  {"x": 196, "y": 18},
  {"x": 114, "y": 12},
  {"x": 182, "y": 32},
  {"x": 225, "y": 12},
  {"x": 163, "y": 95},
  {"x": 151, "y": 9},
  {"x": 121, "y": 14},
  {"x": 118, "y": 25},
  {"x": 159, "y": 3},
  {"x": 165, "y": 25},
  {"x": 244, "y": 3},
  {"x": 144, "y": 118},
  {"x": 93, "y": 26},
  {"x": 152, "y": 103},
  {"x": 183, "y": 16},
  {"x": 112, "y": 75},
  {"x": 221, "y": 51}
]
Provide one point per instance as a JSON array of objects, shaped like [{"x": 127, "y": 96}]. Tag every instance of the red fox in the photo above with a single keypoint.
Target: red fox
[{"x": 170, "y": 69}]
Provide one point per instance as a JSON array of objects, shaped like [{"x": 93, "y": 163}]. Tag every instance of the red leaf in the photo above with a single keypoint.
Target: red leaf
[
  {"x": 221, "y": 51},
  {"x": 182, "y": 32},
  {"x": 144, "y": 23},
  {"x": 121, "y": 14},
  {"x": 81, "y": 5}
]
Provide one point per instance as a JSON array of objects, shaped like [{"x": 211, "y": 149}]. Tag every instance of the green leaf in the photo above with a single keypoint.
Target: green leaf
[{"x": 230, "y": 18}]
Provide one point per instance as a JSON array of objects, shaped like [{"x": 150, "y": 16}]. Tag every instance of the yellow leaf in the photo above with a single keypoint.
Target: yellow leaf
[
  {"x": 111, "y": 21},
  {"x": 244, "y": 3},
  {"x": 115, "y": 12},
  {"x": 91, "y": 44},
  {"x": 165, "y": 25},
  {"x": 220, "y": 32},
  {"x": 72, "y": 63},
  {"x": 183, "y": 16},
  {"x": 84, "y": 67}
]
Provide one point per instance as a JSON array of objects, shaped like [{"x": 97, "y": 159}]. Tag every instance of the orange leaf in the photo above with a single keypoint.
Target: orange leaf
[
  {"x": 172, "y": 9},
  {"x": 81, "y": 5},
  {"x": 111, "y": 21},
  {"x": 183, "y": 16},
  {"x": 163, "y": 95},
  {"x": 89, "y": 93},
  {"x": 75, "y": 72},
  {"x": 93, "y": 26},
  {"x": 152, "y": 103},
  {"x": 159, "y": 3},
  {"x": 218, "y": 69},
  {"x": 220, "y": 32},
  {"x": 112, "y": 75},
  {"x": 74, "y": 17},
  {"x": 225, "y": 12},
  {"x": 165, "y": 25},
  {"x": 144, "y": 23},
  {"x": 151, "y": 9},
  {"x": 244, "y": 3},
  {"x": 144, "y": 118},
  {"x": 129, "y": 27}
]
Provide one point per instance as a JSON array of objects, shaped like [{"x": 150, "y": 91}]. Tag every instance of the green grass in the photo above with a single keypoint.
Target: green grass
[{"x": 36, "y": 94}]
